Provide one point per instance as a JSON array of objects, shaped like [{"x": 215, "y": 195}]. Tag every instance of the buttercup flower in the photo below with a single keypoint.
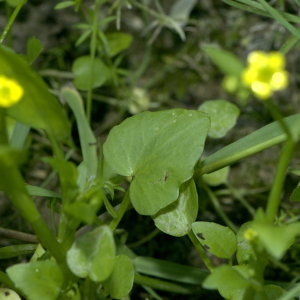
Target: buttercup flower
[
  {"x": 10, "y": 92},
  {"x": 265, "y": 73}
]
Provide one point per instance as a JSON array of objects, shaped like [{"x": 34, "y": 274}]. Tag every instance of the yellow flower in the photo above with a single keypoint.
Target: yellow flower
[
  {"x": 250, "y": 234},
  {"x": 10, "y": 92},
  {"x": 265, "y": 73}
]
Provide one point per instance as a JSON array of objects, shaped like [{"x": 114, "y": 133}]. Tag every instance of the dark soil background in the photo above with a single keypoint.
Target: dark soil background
[{"x": 177, "y": 74}]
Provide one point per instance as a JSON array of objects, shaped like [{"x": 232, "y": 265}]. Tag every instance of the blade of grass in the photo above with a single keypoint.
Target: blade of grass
[{"x": 257, "y": 141}]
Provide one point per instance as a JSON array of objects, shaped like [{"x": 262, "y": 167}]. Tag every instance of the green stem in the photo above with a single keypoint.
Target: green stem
[
  {"x": 283, "y": 163},
  {"x": 11, "y": 21},
  {"x": 121, "y": 211},
  {"x": 275, "y": 194},
  {"x": 93, "y": 48},
  {"x": 218, "y": 207},
  {"x": 201, "y": 251}
]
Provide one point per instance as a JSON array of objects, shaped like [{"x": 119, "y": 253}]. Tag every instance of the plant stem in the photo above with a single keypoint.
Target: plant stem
[
  {"x": 11, "y": 21},
  {"x": 218, "y": 207},
  {"x": 283, "y": 163},
  {"x": 120, "y": 212},
  {"x": 93, "y": 47},
  {"x": 201, "y": 251},
  {"x": 275, "y": 194},
  {"x": 18, "y": 235}
]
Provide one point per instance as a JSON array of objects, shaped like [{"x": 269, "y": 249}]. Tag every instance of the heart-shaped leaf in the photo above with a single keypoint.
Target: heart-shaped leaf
[{"x": 159, "y": 151}]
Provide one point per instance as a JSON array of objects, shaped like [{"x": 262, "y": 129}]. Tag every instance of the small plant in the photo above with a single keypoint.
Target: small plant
[{"x": 153, "y": 164}]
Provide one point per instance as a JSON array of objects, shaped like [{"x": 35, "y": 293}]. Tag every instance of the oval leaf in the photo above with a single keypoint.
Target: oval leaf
[
  {"x": 120, "y": 282},
  {"x": 223, "y": 116},
  {"x": 93, "y": 254},
  {"x": 159, "y": 150},
  {"x": 37, "y": 108},
  {"x": 37, "y": 280},
  {"x": 8, "y": 294},
  {"x": 177, "y": 218},
  {"x": 217, "y": 239},
  {"x": 89, "y": 73}
]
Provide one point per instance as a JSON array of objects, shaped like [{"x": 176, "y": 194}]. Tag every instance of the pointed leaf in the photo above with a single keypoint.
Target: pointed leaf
[
  {"x": 38, "y": 280},
  {"x": 227, "y": 62},
  {"x": 37, "y": 108},
  {"x": 159, "y": 150},
  {"x": 177, "y": 218}
]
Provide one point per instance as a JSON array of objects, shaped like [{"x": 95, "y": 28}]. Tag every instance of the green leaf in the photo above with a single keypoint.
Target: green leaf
[
  {"x": 37, "y": 108},
  {"x": 256, "y": 141},
  {"x": 88, "y": 143},
  {"x": 118, "y": 42},
  {"x": 37, "y": 280},
  {"x": 17, "y": 250},
  {"x": 169, "y": 270},
  {"x": 217, "y": 239},
  {"x": 93, "y": 254},
  {"x": 120, "y": 282},
  {"x": 181, "y": 10},
  {"x": 89, "y": 73},
  {"x": 177, "y": 218},
  {"x": 216, "y": 178},
  {"x": 295, "y": 196},
  {"x": 231, "y": 282},
  {"x": 276, "y": 239},
  {"x": 34, "y": 49},
  {"x": 64, "y": 4},
  {"x": 159, "y": 151},
  {"x": 223, "y": 116},
  {"x": 8, "y": 294},
  {"x": 227, "y": 62}
]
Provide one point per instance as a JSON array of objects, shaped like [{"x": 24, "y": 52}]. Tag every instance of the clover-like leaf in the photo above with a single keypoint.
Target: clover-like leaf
[{"x": 158, "y": 150}]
